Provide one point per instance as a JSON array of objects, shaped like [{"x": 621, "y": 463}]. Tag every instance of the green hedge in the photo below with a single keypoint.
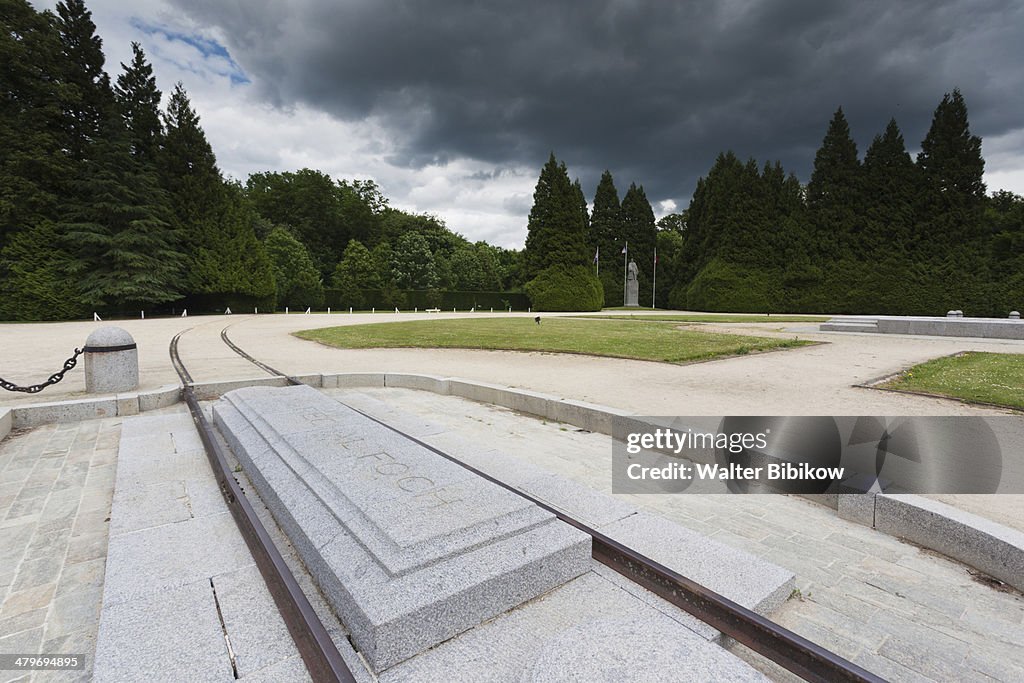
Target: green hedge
[
  {"x": 212, "y": 303},
  {"x": 561, "y": 288},
  {"x": 408, "y": 299}
]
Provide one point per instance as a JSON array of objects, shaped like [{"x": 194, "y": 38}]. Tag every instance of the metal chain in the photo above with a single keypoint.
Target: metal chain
[{"x": 54, "y": 378}]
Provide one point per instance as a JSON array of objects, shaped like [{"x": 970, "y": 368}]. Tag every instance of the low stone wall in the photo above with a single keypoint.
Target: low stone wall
[
  {"x": 985, "y": 328},
  {"x": 23, "y": 417}
]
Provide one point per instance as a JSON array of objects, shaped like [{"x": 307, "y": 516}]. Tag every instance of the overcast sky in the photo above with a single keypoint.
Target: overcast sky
[{"x": 452, "y": 107}]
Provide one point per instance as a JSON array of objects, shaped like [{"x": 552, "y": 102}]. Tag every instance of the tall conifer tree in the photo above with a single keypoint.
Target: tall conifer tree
[
  {"x": 89, "y": 99},
  {"x": 834, "y": 191},
  {"x": 950, "y": 159},
  {"x": 119, "y": 228},
  {"x": 556, "y": 234},
  {"x": 138, "y": 100}
]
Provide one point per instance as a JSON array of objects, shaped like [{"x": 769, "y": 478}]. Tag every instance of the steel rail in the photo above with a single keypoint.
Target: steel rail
[
  {"x": 797, "y": 654},
  {"x": 318, "y": 651}
]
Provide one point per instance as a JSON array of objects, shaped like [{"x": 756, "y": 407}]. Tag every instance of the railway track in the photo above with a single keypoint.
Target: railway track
[{"x": 793, "y": 652}]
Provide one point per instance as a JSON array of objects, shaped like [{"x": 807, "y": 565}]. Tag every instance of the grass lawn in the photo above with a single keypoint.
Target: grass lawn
[
  {"x": 973, "y": 376},
  {"x": 724, "y": 318},
  {"x": 620, "y": 339}
]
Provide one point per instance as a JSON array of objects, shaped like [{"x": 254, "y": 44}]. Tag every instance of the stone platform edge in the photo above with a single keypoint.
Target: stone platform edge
[
  {"x": 977, "y": 542},
  {"x": 978, "y": 328}
]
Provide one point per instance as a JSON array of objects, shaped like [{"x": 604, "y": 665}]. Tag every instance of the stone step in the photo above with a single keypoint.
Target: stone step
[
  {"x": 745, "y": 579},
  {"x": 409, "y": 548}
]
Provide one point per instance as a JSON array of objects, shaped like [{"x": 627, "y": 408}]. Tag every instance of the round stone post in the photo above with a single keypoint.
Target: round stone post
[{"x": 111, "y": 361}]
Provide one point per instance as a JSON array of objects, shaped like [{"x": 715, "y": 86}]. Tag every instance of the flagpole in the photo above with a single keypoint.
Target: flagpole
[
  {"x": 654, "y": 280},
  {"x": 597, "y": 261}
]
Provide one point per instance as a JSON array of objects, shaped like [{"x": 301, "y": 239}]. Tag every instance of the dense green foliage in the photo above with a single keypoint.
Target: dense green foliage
[
  {"x": 566, "y": 288},
  {"x": 882, "y": 236},
  {"x": 557, "y": 227},
  {"x": 108, "y": 204},
  {"x": 295, "y": 276},
  {"x": 423, "y": 299}
]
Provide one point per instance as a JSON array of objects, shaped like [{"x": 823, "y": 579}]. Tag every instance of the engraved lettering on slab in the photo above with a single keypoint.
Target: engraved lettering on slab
[{"x": 409, "y": 548}]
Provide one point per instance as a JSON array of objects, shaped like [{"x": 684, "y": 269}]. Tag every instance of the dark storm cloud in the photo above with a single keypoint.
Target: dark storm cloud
[{"x": 652, "y": 90}]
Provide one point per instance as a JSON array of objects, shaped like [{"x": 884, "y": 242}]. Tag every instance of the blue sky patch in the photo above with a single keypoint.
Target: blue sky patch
[{"x": 209, "y": 49}]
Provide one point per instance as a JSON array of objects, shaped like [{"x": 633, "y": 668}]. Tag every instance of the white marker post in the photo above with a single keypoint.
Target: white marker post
[{"x": 184, "y": 314}]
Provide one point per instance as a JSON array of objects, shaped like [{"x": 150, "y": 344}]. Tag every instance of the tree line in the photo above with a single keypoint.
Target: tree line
[
  {"x": 110, "y": 203},
  {"x": 882, "y": 234}
]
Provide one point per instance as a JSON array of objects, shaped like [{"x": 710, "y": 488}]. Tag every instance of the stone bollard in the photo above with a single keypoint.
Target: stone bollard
[
  {"x": 111, "y": 361},
  {"x": 1014, "y": 315},
  {"x": 950, "y": 314}
]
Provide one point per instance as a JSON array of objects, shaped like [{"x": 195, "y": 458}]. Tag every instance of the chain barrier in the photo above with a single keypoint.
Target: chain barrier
[{"x": 54, "y": 378}]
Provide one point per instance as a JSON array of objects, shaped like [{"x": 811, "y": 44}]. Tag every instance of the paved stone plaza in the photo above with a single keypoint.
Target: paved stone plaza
[
  {"x": 56, "y": 483},
  {"x": 896, "y": 609}
]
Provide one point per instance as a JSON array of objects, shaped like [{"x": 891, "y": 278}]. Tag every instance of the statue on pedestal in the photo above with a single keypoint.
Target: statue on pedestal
[{"x": 632, "y": 286}]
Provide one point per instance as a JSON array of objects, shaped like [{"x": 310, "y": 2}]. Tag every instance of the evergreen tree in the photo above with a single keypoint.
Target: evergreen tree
[
  {"x": 89, "y": 98},
  {"x": 891, "y": 183},
  {"x": 577, "y": 188},
  {"x": 834, "y": 191},
  {"x": 33, "y": 166},
  {"x": 295, "y": 276},
  {"x": 555, "y": 233},
  {"x": 235, "y": 261},
  {"x": 138, "y": 100},
  {"x": 605, "y": 238},
  {"x": 954, "y": 240},
  {"x": 125, "y": 250},
  {"x": 188, "y": 170},
  {"x": 950, "y": 159},
  {"x": 35, "y": 280}
]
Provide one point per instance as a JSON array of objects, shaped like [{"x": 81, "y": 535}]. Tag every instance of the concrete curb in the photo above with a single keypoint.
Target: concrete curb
[
  {"x": 981, "y": 543},
  {"x": 118, "y": 405},
  {"x": 987, "y": 546}
]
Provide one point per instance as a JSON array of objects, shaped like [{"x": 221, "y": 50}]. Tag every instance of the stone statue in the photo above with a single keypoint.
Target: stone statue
[{"x": 632, "y": 294}]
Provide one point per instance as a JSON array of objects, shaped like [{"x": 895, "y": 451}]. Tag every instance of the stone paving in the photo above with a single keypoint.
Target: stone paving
[
  {"x": 56, "y": 483},
  {"x": 900, "y": 611}
]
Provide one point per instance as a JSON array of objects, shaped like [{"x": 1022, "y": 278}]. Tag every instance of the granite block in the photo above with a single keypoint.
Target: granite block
[
  {"x": 409, "y": 548},
  {"x": 172, "y": 631},
  {"x": 741, "y": 577},
  {"x": 163, "y": 397},
  {"x": 63, "y": 411},
  {"x": 209, "y": 391}
]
